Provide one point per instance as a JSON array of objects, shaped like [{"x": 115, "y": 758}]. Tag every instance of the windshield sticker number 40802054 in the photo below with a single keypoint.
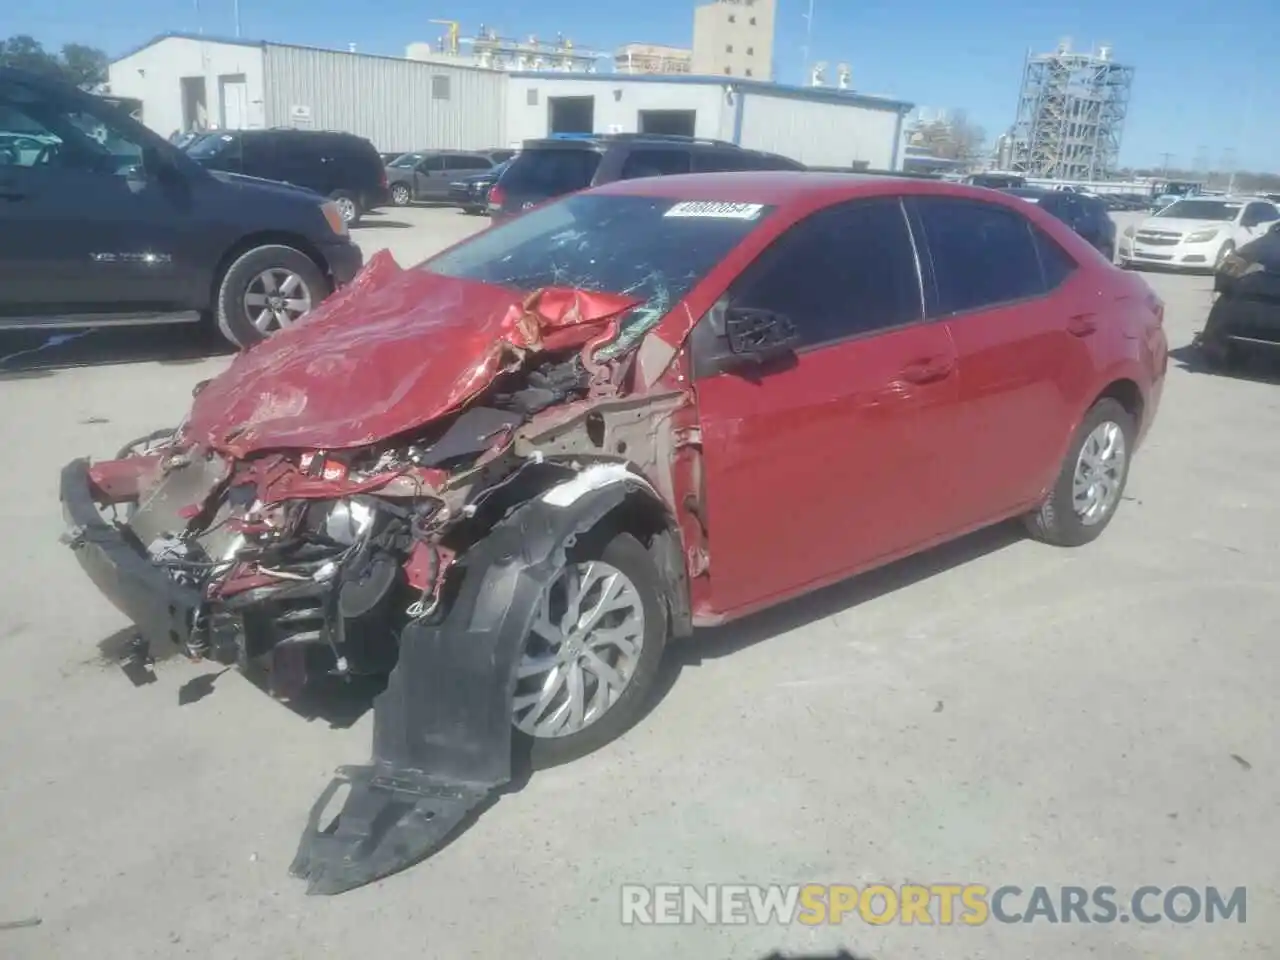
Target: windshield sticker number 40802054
[{"x": 716, "y": 210}]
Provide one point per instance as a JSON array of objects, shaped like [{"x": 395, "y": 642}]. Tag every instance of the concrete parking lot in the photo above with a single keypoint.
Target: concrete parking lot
[{"x": 995, "y": 712}]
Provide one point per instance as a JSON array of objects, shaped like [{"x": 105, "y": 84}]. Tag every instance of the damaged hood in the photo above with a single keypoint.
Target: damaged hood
[{"x": 392, "y": 351}]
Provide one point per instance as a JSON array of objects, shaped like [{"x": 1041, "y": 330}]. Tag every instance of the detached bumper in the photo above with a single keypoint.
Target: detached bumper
[
  {"x": 345, "y": 260},
  {"x": 161, "y": 609},
  {"x": 1241, "y": 323}
]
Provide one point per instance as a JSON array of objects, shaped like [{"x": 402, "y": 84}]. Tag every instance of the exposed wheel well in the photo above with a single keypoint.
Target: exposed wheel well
[
  {"x": 1128, "y": 395},
  {"x": 649, "y": 522},
  {"x": 265, "y": 239}
]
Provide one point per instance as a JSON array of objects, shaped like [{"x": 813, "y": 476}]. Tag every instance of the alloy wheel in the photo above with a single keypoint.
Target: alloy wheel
[
  {"x": 275, "y": 299},
  {"x": 347, "y": 208},
  {"x": 1099, "y": 474},
  {"x": 582, "y": 653}
]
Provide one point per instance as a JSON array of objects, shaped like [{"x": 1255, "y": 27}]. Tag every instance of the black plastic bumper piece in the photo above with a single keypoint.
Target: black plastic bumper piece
[
  {"x": 344, "y": 259},
  {"x": 442, "y": 728},
  {"x": 161, "y": 609}
]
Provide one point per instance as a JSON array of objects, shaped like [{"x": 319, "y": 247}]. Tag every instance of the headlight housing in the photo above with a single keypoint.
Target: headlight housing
[
  {"x": 334, "y": 218},
  {"x": 347, "y": 520},
  {"x": 1202, "y": 236}
]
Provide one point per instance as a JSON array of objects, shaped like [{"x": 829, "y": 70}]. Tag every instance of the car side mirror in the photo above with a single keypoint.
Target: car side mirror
[{"x": 759, "y": 335}]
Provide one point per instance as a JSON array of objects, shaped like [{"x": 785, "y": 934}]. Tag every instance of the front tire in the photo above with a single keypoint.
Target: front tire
[
  {"x": 1091, "y": 483},
  {"x": 585, "y": 679},
  {"x": 266, "y": 289},
  {"x": 400, "y": 194}
]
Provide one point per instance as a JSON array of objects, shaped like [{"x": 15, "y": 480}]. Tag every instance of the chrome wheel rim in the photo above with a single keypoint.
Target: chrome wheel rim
[
  {"x": 276, "y": 298},
  {"x": 400, "y": 194},
  {"x": 1224, "y": 251},
  {"x": 1099, "y": 474},
  {"x": 347, "y": 208},
  {"x": 582, "y": 653}
]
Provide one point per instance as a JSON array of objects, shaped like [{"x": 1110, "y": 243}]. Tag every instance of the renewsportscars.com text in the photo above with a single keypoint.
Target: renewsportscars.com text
[{"x": 943, "y": 904}]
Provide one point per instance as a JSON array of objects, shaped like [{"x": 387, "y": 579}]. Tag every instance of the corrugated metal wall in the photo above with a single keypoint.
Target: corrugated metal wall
[
  {"x": 821, "y": 134},
  {"x": 398, "y": 104}
]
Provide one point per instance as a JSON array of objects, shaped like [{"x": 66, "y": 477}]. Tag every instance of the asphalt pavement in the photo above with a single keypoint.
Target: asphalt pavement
[{"x": 993, "y": 712}]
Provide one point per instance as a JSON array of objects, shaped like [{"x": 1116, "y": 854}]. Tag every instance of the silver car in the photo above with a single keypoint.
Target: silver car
[{"x": 425, "y": 175}]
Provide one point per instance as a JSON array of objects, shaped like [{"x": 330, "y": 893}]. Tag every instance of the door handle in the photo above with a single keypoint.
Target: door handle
[
  {"x": 928, "y": 371},
  {"x": 1082, "y": 324}
]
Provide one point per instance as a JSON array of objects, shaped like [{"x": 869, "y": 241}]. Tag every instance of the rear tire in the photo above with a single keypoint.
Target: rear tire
[
  {"x": 1060, "y": 520},
  {"x": 625, "y": 554},
  {"x": 348, "y": 205},
  {"x": 233, "y": 314},
  {"x": 401, "y": 195}
]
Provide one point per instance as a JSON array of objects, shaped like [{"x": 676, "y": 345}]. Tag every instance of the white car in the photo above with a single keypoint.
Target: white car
[{"x": 1197, "y": 232}]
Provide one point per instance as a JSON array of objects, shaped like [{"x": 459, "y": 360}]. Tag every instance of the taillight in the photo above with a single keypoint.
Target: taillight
[
  {"x": 497, "y": 196},
  {"x": 383, "y": 178}
]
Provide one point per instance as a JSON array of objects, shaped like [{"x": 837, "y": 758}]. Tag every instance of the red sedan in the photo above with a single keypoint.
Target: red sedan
[{"x": 509, "y": 475}]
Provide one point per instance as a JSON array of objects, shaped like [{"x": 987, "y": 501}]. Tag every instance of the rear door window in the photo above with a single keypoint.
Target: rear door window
[
  {"x": 983, "y": 255},
  {"x": 466, "y": 163},
  {"x": 710, "y": 161},
  {"x": 258, "y": 153},
  {"x": 650, "y": 162},
  {"x": 841, "y": 272},
  {"x": 550, "y": 173}
]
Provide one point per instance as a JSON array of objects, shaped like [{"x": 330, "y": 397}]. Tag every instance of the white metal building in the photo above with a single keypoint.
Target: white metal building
[
  {"x": 186, "y": 81},
  {"x": 819, "y": 126}
]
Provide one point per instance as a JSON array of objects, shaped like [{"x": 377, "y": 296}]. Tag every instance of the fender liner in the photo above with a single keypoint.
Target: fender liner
[{"x": 442, "y": 728}]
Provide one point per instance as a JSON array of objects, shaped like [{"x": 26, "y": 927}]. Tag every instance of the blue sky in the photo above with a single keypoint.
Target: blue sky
[{"x": 1207, "y": 81}]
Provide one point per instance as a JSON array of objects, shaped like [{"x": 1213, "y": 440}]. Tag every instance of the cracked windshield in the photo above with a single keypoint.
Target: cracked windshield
[{"x": 708, "y": 478}]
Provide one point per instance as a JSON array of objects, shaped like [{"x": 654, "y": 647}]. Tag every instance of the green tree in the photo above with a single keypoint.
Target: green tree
[{"x": 82, "y": 65}]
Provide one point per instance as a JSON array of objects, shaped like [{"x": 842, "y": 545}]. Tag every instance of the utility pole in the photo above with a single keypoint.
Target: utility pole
[
  {"x": 236, "y": 9},
  {"x": 1164, "y": 170},
  {"x": 1202, "y": 160},
  {"x": 1229, "y": 167},
  {"x": 808, "y": 42}
]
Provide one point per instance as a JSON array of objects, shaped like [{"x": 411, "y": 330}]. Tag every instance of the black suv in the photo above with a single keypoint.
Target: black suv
[
  {"x": 104, "y": 223},
  {"x": 341, "y": 166},
  {"x": 1086, "y": 215},
  {"x": 563, "y": 164}
]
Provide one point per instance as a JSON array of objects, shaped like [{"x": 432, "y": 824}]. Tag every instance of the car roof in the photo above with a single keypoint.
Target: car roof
[
  {"x": 594, "y": 140},
  {"x": 797, "y": 188}
]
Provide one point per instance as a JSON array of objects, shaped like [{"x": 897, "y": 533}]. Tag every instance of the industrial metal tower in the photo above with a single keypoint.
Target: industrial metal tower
[{"x": 1071, "y": 112}]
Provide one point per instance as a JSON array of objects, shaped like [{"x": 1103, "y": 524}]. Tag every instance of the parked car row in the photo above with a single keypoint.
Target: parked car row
[{"x": 108, "y": 224}]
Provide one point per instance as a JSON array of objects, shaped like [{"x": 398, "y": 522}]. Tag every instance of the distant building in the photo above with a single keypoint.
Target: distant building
[
  {"x": 734, "y": 38},
  {"x": 652, "y": 58},
  {"x": 489, "y": 51}
]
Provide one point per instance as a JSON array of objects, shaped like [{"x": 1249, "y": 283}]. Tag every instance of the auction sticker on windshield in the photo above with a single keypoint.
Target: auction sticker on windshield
[{"x": 715, "y": 209}]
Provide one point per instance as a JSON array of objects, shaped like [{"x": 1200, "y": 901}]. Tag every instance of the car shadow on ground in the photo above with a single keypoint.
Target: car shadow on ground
[
  {"x": 712, "y": 643},
  {"x": 33, "y": 354},
  {"x": 341, "y": 702},
  {"x": 1257, "y": 367},
  {"x": 367, "y": 224}
]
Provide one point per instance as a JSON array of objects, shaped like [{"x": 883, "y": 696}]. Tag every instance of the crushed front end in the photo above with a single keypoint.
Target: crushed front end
[{"x": 411, "y": 552}]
